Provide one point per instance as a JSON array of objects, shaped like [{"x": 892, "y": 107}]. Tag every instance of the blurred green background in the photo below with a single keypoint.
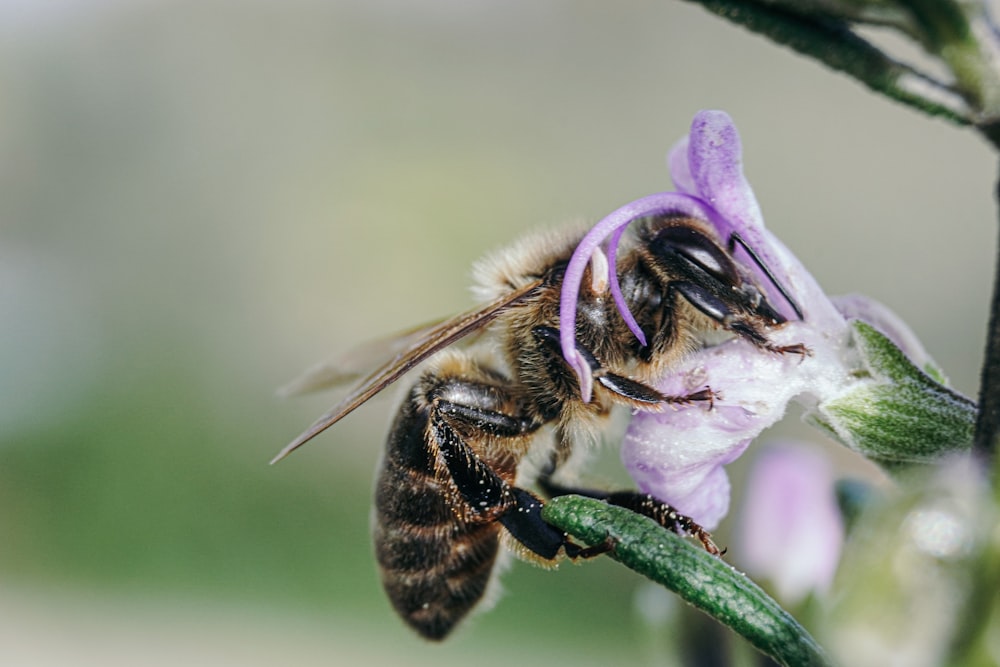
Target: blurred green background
[{"x": 200, "y": 199}]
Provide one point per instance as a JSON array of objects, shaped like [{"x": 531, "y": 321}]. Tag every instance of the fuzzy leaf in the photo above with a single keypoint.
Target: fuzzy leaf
[
  {"x": 901, "y": 415},
  {"x": 705, "y": 581}
]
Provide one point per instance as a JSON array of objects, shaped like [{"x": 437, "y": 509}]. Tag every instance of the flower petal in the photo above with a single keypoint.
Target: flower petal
[
  {"x": 677, "y": 455},
  {"x": 680, "y": 169},
  {"x": 797, "y": 281},
  {"x": 791, "y": 531},
  {"x": 715, "y": 158}
]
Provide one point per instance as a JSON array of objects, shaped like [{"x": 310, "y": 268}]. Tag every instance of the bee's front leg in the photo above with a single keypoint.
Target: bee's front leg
[
  {"x": 631, "y": 391},
  {"x": 711, "y": 305}
]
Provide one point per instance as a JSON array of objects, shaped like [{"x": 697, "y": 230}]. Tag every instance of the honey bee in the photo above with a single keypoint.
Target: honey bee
[{"x": 451, "y": 488}]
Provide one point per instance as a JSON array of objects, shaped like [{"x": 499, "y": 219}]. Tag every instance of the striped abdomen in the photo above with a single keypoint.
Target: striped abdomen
[{"x": 434, "y": 568}]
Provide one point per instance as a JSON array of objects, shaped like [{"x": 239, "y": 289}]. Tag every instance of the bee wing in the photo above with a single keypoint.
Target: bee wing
[
  {"x": 357, "y": 362},
  {"x": 424, "y": 342}
]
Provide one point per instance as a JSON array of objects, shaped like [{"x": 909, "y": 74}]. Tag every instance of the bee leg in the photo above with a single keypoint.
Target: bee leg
[
  {"x": 635, "y": 393},
  {"x": 640, "y": 503},
  {"x": 576, "y": 552},
  {"x": 484, "y": 494},
  {"x": 525, "y": 524},
  {"x": 644, "y": 395},
  {"x": 665, "y": 515},
  {"x": 712, "y": 306}
]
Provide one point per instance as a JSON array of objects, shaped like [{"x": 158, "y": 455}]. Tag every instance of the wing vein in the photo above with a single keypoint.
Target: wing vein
[{"x": 436, "y": 338}]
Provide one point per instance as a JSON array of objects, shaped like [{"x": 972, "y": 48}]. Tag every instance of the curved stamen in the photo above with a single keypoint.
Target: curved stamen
[
  {"x": 616, "y": 290},
  {"x": 613, "y": 225}
]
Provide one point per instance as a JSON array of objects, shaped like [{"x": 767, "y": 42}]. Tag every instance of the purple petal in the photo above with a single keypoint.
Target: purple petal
[
  {"x": 791, "y": 529},
  {"x": 715, "y": 160},
  {"x": 698, "y": 488},
  {"x": 678, "y": 454},
  {"x": 796, "y": 279},
  {"x": 680, "y": 170}
]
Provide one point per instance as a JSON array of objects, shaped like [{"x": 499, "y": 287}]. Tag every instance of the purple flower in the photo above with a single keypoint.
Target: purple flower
[
  {"x": 791, "y": 531},
  {"x": 679, "y": 454}
]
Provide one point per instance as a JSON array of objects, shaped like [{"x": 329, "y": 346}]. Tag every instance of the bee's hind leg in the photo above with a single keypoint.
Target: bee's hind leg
[{"x": 479, "y": 493}]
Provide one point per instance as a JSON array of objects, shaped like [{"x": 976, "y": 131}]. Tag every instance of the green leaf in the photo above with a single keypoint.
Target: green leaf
[
  {"x": 701, "y": 579},
  {"x": 899, "y": 413}
]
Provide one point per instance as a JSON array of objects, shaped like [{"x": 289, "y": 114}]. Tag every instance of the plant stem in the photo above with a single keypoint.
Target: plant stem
[
  {"x": 835, "y": 44},
  {"x": 988, "y": 422}
]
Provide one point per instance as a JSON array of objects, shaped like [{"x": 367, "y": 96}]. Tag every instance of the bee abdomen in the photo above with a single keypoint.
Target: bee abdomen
[{"x": 434, "y": 568}]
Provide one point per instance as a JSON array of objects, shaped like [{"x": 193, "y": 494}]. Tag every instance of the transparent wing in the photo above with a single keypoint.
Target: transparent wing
[
  {"x": 357, "y": 362},
  {"x": 421, "y": 344}
]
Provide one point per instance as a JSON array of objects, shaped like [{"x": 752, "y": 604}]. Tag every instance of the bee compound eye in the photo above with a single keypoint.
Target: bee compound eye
[{"x": 696, "y": 249}]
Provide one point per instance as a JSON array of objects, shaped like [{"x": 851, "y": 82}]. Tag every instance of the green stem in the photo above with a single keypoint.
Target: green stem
[
  {"x": 701, "y": 579},
  {"x": 965, "y": 40},
  {"x": 985, "y": 443},
  {"x": 833, "y": 43},
  {"x": 941, "y": 22}
]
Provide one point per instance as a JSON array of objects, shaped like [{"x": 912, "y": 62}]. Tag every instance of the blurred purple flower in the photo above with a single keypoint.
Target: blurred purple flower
[
  {"x": 678, "y": 454},
  {"x": 791, "y": 530}
]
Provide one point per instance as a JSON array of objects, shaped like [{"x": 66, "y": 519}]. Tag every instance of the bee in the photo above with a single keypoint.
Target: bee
[{"x": 452, "y": 484}]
